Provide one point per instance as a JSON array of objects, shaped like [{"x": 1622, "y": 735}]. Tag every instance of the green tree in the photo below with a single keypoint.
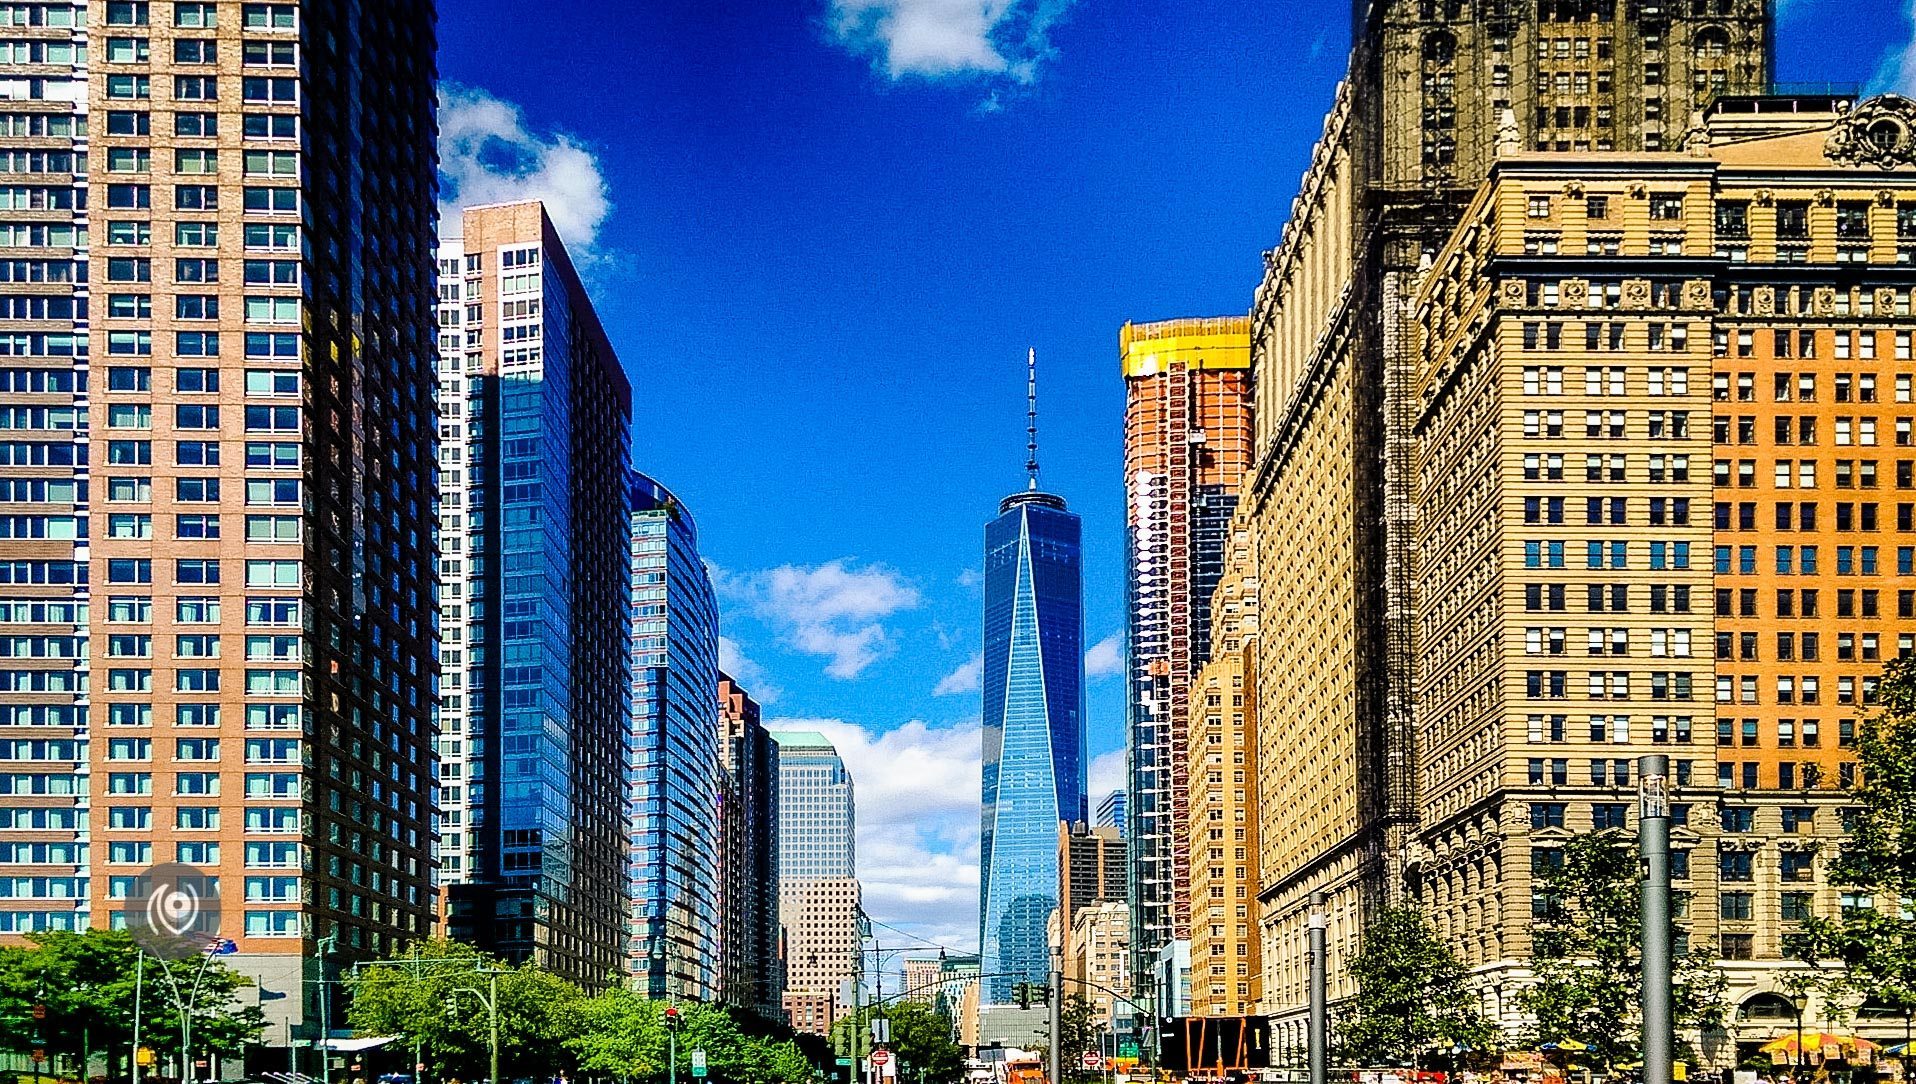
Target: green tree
[
  {"x": 1411, "y": 994},
  {"x": 86, "y": 982},
  {"x": 1872, "y": 940},
  {"x": 433, "y": 999},
  {"x": 1077, "y": 1023},
  {"x": 622, "y": 1034},
  {"x": 1586, "y": 951},
  {"x": 921, "y": 1038}
]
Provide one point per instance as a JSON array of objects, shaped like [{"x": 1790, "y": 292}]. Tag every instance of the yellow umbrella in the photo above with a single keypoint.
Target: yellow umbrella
[{"x": 1816, "y": 1042}]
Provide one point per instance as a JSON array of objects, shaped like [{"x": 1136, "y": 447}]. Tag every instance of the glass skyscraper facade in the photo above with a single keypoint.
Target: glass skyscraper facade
[
  {"x": 817, "y": 814},
  {"x": 1034, "y": 756},
  {"x": 819, "y": 900},
  {"x": 533, "y": 518},
  {"x": 676, "y": 776}
]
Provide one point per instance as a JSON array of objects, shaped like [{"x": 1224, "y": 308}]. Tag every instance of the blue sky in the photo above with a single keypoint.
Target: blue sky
[{"x": 822, "y": 233}]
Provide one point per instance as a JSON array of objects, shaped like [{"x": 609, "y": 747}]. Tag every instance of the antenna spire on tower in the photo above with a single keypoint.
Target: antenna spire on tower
[{"x": 1031, "y": 417}]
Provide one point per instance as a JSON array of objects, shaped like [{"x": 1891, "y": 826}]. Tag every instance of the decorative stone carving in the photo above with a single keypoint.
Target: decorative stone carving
[
  {"x": 1763, "y": 300},
  {"x": 1765, "y": 198},
  {"x": 1573, "y": 190},
  {"x": 1636, "y": 293},
  {"x": 1695, "y": 140},
  {"x": 1823, "y": 301},
  {"x": 1885, "y": 198},
  {"x": 1509, "y": 137},
  {"x": 1516, "y": 294},
  {"x": 1880, "y": 132},
  {"x": 1885, "y": 300},
  {"x": 1576, "y": 292},
  {"x": 1826, "y": 198},
  {"x": 1638, "y": 190},
  {"x": 1696, "y": 295}
]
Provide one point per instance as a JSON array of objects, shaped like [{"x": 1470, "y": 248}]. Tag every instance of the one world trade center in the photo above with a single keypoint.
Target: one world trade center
[{"x": 1034, "y": 755}]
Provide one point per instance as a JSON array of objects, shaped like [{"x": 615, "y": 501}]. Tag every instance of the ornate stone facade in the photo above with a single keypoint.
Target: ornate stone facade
[{"x": 1661, "y": 400}]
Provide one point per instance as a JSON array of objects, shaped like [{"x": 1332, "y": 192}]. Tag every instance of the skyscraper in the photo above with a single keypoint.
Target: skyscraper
[
  {"x": 1434, "y": 88},
  {"x": 1034, "y": 754},
  {"x": 676, "y": 776},
  {"x": 818, "y": 895},
  {"x": 534, "y": 601},
  {"x": 754, "y": 975},
  {"x": 1187, "y": 445},
  {"x": 217, "y": 362}
]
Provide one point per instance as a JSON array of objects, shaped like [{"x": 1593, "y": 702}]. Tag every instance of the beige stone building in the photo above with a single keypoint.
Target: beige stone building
[
  {"x": 1222, "y": 837},
  {"x": 1662, "y": 399},
  {"x": 1098, "y": 959},
  {"x": 1433, "y": 86},
  {"x": 822, "y": 946}
]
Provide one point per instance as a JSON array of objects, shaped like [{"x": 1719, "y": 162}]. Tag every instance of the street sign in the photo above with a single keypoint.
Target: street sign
[
  {"x": 846, "y": 1062},
  {"x": 881, "y": 1029},
  {"x": 1091, "y": 1061},
  {"x": 880, "y": 1057},
  {"x": 698, "y": 1063},
  {"x": 144, "y": 1055},
  {"x": 1128, "y": 1048}
]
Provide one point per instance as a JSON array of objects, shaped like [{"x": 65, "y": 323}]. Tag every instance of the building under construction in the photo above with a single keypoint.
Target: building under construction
[{"x": 1187, "y": 445}]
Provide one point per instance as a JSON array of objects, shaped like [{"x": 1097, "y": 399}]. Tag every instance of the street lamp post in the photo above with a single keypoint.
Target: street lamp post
[
  {"x": 1318, "y": 1040},
  {"x": 1800, "y": 1001},
  {"x": 489, "y": 997},
  {"x": 1658, "y": 993}
]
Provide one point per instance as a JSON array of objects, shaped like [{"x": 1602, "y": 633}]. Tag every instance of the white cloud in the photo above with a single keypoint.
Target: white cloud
[
  {"x": 1897, "y": 72},
  {"x": 968, "y": 678},
  {"x": 934, "y": 39},
  {"x": 488, "y": 154},
  {"x": 733, "y": 660},
  {"x": 834, "y": 610},
  {"x": 1106, "y": 657},
  {"x": 917, "y": 789},
  {"x": 1105, "y": 775}
]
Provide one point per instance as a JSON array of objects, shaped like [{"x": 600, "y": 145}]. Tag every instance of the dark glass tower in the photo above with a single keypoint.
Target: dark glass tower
[
  {"x": 676, "y": 771},
  {"x": 1034, "y": 757}
]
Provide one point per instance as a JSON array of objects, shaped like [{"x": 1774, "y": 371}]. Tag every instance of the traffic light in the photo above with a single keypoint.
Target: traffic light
[
  {"x": 673, "y": 1021},
  {"x": 1024, "y": 995},
  {"x": 1044, "y": 993}
]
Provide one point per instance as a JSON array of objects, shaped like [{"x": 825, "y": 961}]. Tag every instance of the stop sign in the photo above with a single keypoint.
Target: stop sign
[{"x": 880, "y": 1057}]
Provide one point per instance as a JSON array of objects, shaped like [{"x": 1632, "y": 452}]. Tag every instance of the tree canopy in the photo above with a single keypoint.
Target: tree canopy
[
  {"x": 548, "y": 1025},
  {"x": 1586, "y": 951},
  {"x": 1872, "y": 939},
  {"x": 921, "y": 1038},
  {"x": 85, "y": 981},
  {"x": 1411, "y": 995}
]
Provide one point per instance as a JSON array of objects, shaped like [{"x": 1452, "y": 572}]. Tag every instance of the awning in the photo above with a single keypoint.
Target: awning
[{"x": 348, "y": 1046}]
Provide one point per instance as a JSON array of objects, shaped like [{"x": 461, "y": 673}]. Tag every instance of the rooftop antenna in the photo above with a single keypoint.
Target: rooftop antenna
[{"x": 1031, "y": 417}]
